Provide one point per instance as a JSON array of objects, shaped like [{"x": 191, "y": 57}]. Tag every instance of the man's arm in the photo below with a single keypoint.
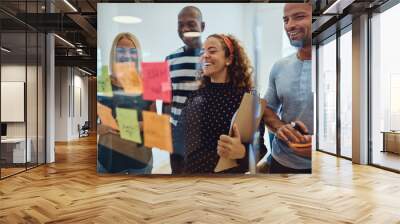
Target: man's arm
[
  {"x": 272, "y": 120},
  {"x": 283, "y": 131},
  {"x": 287, "y": 133}
]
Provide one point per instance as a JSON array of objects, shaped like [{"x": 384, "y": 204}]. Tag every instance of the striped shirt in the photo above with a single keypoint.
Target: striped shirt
[{"x": 183, "y": 66}]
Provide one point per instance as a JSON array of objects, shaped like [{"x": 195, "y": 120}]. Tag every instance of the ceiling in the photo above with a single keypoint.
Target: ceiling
[
  {"x": 77, "y": 24},
  {"x": 72, "y": 20},
  {"x": 332, "y": 15}
]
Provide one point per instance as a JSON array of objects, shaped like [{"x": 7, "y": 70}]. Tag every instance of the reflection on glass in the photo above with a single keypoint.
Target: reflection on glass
[
  {"x": 385, "y": 89},
  {"x": 327, "y": 97},
  {"x": 31, "y": 99},
  {"x": 22, "y": 91},
  {"x": 346, "y": 94},
  {"x": 41, "y": 99},
  {"x": 13, "y": 85},
  {"x": 247, "y": 22}
]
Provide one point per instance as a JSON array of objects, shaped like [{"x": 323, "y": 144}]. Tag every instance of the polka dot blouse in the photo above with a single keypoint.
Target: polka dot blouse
[{"x": 208, "y": 115}]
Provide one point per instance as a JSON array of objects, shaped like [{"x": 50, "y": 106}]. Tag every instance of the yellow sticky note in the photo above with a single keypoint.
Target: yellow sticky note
[
  {"x": 128, "y": 77},
  {"x": 104, "y": 82},
  {"x": 105, "y": 115},
  {"x": 157, "y": 131},
  {"x": 128, "y": 124}
]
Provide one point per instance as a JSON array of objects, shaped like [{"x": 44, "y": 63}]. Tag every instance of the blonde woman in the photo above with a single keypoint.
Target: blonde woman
[{"x": 116, "y": 155}]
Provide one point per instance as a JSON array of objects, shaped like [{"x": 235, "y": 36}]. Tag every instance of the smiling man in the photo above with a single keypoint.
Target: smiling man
[
  {"x": 184, "y": 65},
  {"x": 289, "y": 111}
]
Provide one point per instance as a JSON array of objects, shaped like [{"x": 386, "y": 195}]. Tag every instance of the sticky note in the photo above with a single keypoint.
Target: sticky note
[
  {"x": 157, "y": 131},
  {"x": 104, "y": 82},
  {"x": 156, "y": 81},
  {"x": 128, "y": 77},
  {"x": 128, "y": 124},
  {"x": 105, "y": 115}
]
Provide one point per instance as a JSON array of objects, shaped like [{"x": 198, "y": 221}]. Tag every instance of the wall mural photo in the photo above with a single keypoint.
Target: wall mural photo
[{"x": 185, "y": 89}]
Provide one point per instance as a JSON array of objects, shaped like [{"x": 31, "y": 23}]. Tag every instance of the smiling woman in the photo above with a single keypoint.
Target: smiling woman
[{"x": 207, "y": 116}]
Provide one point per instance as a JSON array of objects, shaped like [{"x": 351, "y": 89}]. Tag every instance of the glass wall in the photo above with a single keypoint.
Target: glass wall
[
  {"x": 327, "y": 96},
  {"x": 334, "y": 106},
  {"x": 385, "y": 89},
  {"x": 346, "y": 93},
  {"x": 22, "y": 89}
]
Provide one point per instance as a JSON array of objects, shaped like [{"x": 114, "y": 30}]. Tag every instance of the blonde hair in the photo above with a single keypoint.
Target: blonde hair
[{"x": 119, "y": 37}]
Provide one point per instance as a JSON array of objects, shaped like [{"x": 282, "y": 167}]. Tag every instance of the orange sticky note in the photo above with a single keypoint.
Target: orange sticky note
[
  {"x": 129, "y": 78},
  {"x": 105, "y": 115},
  {"x": 157, "y": 131},
  {"x": 156, "y": 81}
]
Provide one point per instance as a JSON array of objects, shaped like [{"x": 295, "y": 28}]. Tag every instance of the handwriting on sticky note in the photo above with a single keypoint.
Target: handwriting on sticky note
[
  {"x": 104, "y": 82},
  {"x": 128, "y": 77},
  {"x": 157, "y": 131},
  {"x": 128, "y": 124},
  {"x": 105, "y": 115},
  {"x": 156, "y": 81}
]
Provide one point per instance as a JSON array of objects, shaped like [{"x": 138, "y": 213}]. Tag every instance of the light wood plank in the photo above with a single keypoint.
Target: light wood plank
[{"x": 70, "y": 191}]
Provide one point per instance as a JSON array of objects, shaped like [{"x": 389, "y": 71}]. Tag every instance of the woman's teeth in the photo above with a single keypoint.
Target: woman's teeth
[{"x": 206, "y": 64}]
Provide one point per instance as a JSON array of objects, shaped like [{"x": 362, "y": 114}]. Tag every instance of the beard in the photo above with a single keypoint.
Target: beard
[
  {"x": 297, "y": 43},
  {"x": 300, "y": 43}
]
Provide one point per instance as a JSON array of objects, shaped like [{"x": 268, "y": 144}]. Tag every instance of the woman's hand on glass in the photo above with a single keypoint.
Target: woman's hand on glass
[
  {"x": 231, "y": 147},
  {"x": 103, "y": 129},
  {"x": 115, "y": 81}
]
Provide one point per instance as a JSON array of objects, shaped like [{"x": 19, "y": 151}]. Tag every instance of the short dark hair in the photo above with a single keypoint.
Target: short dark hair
[{"x": 192, "y": 8}]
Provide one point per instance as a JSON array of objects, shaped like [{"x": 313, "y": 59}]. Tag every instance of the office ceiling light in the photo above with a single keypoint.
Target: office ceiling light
[
  {"x": 70, "y": 5},
  {"x": 192, "y": 34},
  {"x": 84, "y": 71},
  {"x": 5, "y": 50},
  {"x": 127, "y": 19},
  {"x": 65, "y": 41}
]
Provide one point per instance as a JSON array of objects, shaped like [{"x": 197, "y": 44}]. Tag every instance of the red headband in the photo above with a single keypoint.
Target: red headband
[{"x": 228, "y": 43}]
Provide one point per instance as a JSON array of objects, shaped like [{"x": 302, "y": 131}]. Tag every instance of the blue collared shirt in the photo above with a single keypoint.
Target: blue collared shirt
[{"x": 290, "y": 95}]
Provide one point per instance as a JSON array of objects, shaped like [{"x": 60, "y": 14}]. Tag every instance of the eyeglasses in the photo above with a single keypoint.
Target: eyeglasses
[{"x": 126, "y": 54}]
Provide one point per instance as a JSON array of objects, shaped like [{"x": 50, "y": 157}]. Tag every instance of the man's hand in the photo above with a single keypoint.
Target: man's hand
[
  {"x": 231, "y": 147},
  {"x": 288, "y": 133},
  {"x": 300, "y": 144},
  {"x": 302, "y": 149}
]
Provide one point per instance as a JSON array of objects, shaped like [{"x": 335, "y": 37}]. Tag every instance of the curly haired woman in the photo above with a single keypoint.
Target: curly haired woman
[{"x": 226, "y": 77}]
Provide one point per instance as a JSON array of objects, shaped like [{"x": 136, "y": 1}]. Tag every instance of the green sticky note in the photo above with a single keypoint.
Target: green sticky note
[
  {"x": 128, "y": 124},
  {"x": 104, "y": 82}
]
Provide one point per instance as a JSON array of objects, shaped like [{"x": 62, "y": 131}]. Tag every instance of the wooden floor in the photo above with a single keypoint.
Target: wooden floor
[
  {"x": 10, "y": 171},
  {"x": 70, "y": 191},
  {"x": 387, "y": 159}
]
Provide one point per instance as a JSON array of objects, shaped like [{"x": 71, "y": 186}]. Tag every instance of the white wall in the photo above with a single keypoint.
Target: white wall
[
  {"x": 16, "y": 73},
  {"x": 68, "y": 82},
  {"x": 33, "y": 127},
  {"x": 158, "y": 32}
]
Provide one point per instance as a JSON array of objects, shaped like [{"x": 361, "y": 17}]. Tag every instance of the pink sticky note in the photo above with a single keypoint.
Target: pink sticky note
[{"x": 156, "y": 81}]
